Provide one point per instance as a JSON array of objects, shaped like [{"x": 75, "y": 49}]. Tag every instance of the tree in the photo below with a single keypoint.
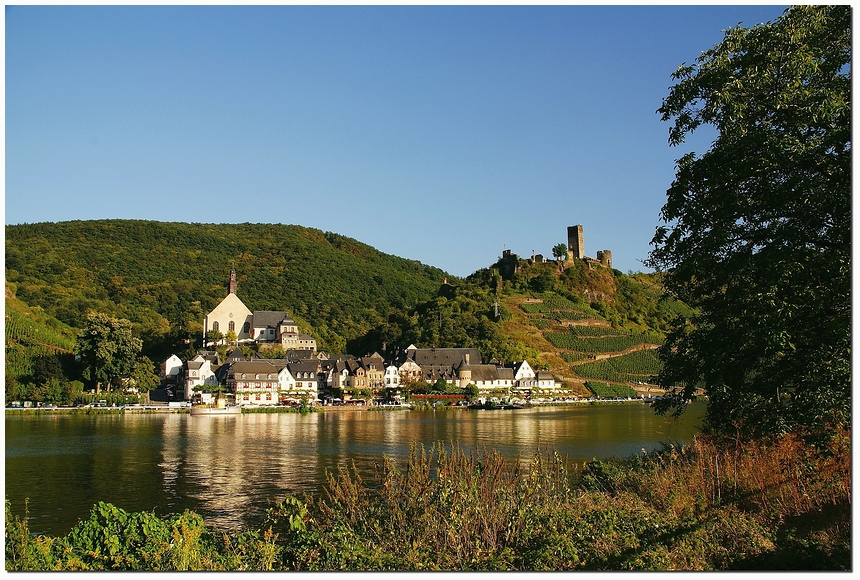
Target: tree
[
  {"x": 471, "y": 391},
  {"x": 560, "y": 253},
  {"x": 143, "y": 375},
  {"x": 440, "y": 386},
  {"x": 758, "y": 229},
  {"x": 107, "y": 348},
  {"x": 213, "y": 337}
]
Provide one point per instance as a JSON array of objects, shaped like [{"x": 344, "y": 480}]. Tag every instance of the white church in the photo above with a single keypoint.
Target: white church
[{"x": 261, "y": 326}]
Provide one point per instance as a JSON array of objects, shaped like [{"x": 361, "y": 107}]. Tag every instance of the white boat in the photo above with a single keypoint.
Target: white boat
[{"x": 206, "y": 410}]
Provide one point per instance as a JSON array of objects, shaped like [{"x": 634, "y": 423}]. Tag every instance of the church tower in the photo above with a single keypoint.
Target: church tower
[{"x": 232, "y": 286}]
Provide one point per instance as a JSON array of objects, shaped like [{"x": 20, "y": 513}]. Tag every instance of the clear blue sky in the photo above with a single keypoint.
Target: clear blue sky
[{"x": 442, "y": 134}]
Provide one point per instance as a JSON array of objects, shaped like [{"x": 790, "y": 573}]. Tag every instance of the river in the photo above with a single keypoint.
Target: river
[{"x": 230, "y": 468}]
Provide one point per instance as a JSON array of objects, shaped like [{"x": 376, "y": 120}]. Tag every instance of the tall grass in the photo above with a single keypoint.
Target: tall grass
[{"x": 763, "y": 505}]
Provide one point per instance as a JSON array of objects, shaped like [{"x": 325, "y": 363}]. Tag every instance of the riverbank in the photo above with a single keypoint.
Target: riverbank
[
  {"x": 768, "y": 505},
  {"x": 142, "y": 409},
  {"x": 94, "y": 410}
]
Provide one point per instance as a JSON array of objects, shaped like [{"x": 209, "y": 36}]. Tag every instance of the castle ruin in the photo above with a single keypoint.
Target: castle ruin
[{"x": 576, "y": 248}]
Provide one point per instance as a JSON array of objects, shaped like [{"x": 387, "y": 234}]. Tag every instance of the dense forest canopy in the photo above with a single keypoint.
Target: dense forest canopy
[{"x": 164, "y": 277}]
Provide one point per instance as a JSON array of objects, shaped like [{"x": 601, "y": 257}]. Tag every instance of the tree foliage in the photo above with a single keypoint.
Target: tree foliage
[
  {"x": 107, "y": 348},
  {"x": 758, "y": 234}
]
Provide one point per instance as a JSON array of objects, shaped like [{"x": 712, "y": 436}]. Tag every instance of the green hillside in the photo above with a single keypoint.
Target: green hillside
[
  {"x": 38, "y": 346},
  {"x": 582, "y": 322},
  {"x": 165, "y": 276},
  {"x": 595, "y": 328}
]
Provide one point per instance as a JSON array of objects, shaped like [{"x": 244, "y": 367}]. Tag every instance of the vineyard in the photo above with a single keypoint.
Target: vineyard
[
  {"x": 570, "y": 341},
  {"x": 28, "y": 340},
  {"x": 609, "y": 391},
  {"x": 639, "y": 366},
  {"x": 21, "y": 329},
  {"x": 599, "y": 331},
  {"x": 550, "y": 305},
  {"x": 592, "y": 335}
]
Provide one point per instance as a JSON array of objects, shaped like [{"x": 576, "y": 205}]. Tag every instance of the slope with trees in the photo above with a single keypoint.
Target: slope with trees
[{"x": 164, "y": 277}]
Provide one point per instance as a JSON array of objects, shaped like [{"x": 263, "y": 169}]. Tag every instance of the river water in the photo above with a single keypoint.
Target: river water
[{"x": 231, "y": 468}]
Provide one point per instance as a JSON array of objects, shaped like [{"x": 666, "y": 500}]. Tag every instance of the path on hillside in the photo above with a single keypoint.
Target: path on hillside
[
  {"x": 606, "y": 355},
  {"x": 558, "y": 369}
]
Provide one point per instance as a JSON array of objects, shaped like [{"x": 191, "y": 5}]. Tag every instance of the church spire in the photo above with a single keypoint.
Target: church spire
[{"x": 232, "y": 286}]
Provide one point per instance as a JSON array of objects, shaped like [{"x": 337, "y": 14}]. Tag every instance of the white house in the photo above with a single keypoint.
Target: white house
[
  {"x": 171, "y": 368},
  {"x": 391, "y": 378},
  {"x": 303, "y": 382},
  {"x": 523, "y": 371},
  {"x": 258, "y": 382},
  {"x": 198, "y": 372},
  {"x": 486, "y": 377}
]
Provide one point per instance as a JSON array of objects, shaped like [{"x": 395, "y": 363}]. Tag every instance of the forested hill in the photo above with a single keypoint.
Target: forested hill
[{"x": 165, "y": 276}]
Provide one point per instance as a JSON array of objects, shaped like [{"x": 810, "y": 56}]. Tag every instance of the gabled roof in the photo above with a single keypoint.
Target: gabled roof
[
  {"x": 372, "y": 361},
  {"x": 271, "y": 318},
  {"x": 257, "y": 366},
  {"x": 489, "y": 372},
  {"x": 235, "y": 355},
  {"x": 295, "y": 354},
  {"x": 304, "y": 367},
  {"x": 436, "y": 357}
]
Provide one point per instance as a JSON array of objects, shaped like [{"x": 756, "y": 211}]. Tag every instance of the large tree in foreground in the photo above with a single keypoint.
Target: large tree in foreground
[
  {"x": 757, "y": 233},
  {"x": 108, "y": 351}
]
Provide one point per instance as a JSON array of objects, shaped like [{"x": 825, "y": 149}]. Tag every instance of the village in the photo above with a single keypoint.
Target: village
[{"x": 305, "y": 375}]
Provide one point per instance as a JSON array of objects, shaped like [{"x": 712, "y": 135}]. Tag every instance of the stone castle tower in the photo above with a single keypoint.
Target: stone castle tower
[
  {"x": 605, "y": 257},
  {"x": 575, "y": 242}
]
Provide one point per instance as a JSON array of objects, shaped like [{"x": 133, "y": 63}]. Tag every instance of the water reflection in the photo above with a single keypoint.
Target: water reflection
[{"x": 229, "y": 469}]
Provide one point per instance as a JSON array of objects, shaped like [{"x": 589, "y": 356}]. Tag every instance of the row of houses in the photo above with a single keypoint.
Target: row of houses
[
  {"x": 306, "y": 374},
  {"x": 309, "y": 375}
]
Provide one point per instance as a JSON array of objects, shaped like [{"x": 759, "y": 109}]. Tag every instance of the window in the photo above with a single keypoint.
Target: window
[
  {"x": 232, "y": 326},
  {"x": 246, "y": 327},
  {"x": 215, "y": 325}
]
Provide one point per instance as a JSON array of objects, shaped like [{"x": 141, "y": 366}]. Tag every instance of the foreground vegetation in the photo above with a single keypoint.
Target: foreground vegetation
[{"x": 771, "y": 504}]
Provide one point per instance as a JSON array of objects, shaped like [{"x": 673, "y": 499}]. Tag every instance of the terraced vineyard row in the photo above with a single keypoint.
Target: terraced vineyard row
[
  {"x": 565, "y": 315},
  {"x": 571, "y": 341},
  {"x": 607, "y": 391},
  {"x": 598, "y": 331},
  {"x": 20, "y": 329}
]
